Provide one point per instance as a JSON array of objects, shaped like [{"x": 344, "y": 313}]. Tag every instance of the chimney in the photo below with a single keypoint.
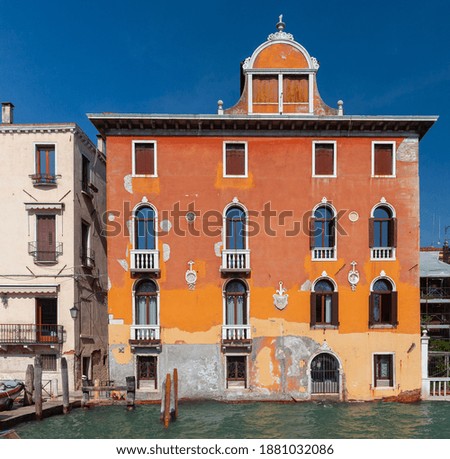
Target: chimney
[{"x": 7, "y": 113}]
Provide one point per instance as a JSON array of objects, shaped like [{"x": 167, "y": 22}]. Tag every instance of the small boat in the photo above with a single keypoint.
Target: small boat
[{"x": 9, "y": 390}]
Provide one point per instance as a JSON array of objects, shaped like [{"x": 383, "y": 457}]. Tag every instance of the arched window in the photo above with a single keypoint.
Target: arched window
[
  {"x": 146, "y": 303},
  {"x": 382, "y": 304},
  {"x": 383, "y": 233},
  {"x": 235, "y": 303},
  {"x": 323, "y": 233},
  {"x": 324, "y": 304},
  {"x": 325, "y": 374},
  {"x": 144, "y": 228},
  {"x": 235, "y": 221}
]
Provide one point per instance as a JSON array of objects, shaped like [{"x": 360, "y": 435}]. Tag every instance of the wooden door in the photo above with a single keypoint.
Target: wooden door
[
  {"x": 46, "y": 320},
  {"x": 46, "y": 238}
]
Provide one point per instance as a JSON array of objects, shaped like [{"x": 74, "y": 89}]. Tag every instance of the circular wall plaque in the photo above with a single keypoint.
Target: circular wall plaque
[{"x": 353, "y": 216}]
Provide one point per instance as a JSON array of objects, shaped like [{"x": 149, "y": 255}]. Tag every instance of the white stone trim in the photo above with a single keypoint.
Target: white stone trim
[
  {"x": 155, "y": 158},
  {"x": 393, "y": 371},
  {"x": 331, "y": 142},
  {"x": 394, "y": 158},
  {"x": 224, "y": 158}
]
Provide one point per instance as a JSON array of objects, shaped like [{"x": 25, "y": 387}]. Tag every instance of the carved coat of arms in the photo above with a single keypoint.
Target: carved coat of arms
[{"x": 280, "y": 299}]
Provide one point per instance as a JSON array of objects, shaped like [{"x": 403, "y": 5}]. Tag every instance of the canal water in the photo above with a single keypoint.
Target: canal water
[{"x": 253, "y": 420}]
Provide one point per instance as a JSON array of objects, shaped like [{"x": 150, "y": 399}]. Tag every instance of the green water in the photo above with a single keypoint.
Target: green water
[{"x": 253, "y": 420}]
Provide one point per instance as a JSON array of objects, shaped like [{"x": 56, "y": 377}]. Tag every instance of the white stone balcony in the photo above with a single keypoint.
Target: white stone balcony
[
  {"x": 382, "y": 253},
  {"x": 323, "y": 253},
  {"x": 144, "y": 260},
  {"x": 236, "y": 332},
  {"x": 236, "y": 261},
  {"x": 145, "y": 333}
]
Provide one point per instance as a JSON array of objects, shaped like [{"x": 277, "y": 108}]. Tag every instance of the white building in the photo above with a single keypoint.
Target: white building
[{"x": 53, "y": 256}]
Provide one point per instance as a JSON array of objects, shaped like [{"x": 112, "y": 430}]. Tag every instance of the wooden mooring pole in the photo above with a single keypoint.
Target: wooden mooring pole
[
  {"x": 167, "y": 402},
  {"x": 85, "y": 392},
  {"x": 29, "y": 385},
  {"x": 131, "y": 392},
  {"x": 38, "y": 386},
  {"x": 175, "y": 395},
  {"x": 65, "y": 385}
]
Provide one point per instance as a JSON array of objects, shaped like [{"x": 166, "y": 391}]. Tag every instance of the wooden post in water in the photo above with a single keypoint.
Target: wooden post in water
[
  {"x": 167, "y": 402},
  {"x": 175, "y": 395},
  {"x": 96, "y": 392},
  {"x": 131, "y": 392},
  {"x": 85, "y": 391},
  {"x": 29, "y": 380},
  {"x": 65, "y": 385},
  {"x": 38, "y": 386}
]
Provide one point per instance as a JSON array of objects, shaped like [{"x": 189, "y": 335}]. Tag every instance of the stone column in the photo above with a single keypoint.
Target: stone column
[{"x": 424, "y": 355}]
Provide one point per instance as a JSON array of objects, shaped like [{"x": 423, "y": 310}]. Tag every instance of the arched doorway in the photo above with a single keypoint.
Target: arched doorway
[{"x": 324, "y": 374}]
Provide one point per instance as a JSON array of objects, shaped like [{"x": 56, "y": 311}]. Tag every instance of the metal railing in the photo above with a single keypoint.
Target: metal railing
[
  {"x": 45, "y": 256},
  {"x": 144, "y": 260},
  {"x": 44, "y": 179},
  {"x": 435, "y": 292},
  {"x": 87, "y": 258},
  {"x": 145, "y": 332},
  {"x": 236, "y": 260},
  {"x": 382, "y": 253},
  {"x": 236, "y": 332},
  {"x": 31, "y": 334},
  {"x": 323, "y": 253}
]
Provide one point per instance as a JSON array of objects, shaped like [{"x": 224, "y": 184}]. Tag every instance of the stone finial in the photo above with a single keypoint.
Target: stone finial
[
  {"x": 220, "y": 107},
  {"x": 281, "y": 25},
  {"x": 340, "y": 107}
]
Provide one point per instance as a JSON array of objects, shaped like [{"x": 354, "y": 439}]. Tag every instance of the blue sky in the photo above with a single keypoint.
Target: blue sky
[{"x": 382, "y": 58}]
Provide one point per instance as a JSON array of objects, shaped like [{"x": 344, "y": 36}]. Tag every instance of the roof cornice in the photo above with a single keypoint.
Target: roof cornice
[{"x": 262, "y": 125}]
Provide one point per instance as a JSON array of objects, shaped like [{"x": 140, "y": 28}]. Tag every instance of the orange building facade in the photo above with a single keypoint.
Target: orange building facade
[{"x": 269, "y": 251}]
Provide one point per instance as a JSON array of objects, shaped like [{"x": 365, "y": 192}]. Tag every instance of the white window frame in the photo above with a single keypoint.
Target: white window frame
[
  {"x": 158, "y": 385},
  {"x": 133, "y": 293},
  {"x": 394, "y": 155},
  {"x": 39, "y": 144},
  {"x": 224, "y": 158},
  {"x": 373, "y": 250},
  {"x": 331, "y": 142},
  {"x": 133, "y": 159},
  {"x": 335, "y": 248},
  {"x": 393, "y": 371},
  {"x": 246, "y": 385},
  {"x": 133, "y": 222}
]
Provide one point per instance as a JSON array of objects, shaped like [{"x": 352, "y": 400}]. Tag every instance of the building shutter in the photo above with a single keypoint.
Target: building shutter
[
  {"x": 323, "y": 159},
  {"x": 394, "y": 308},
  {"x": 144, "y": 159},
  {"x": 46, "y": 238},
  {"x": 265, "y": 89},
  {"x": 392, "y": 233},
  {"x": 371, "y": 235},
  {"x": 311, "y": 227},
  {"x": 313, "y": 298},
  {"x": 235, "y": 159},
  {"x": 383, "y": 159},
  {"x": 335, "y": 309},
  {"x": 371, "y": 301},
  {"x": 295, "y": 89}
]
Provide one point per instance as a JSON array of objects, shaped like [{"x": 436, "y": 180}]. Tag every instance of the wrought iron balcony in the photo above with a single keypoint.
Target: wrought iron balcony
[
  {"x": 382, "y": 253},
  {"x": 24, "y": 334},
  {"x": 87, "y": 258},
  {"x": 145, "y": 336},
  {"x": 144, "y": 260},
  {"x": 236, "y": 261},
  {"x": 45, "y": 256},
  {"x": 44, "y": 179}
]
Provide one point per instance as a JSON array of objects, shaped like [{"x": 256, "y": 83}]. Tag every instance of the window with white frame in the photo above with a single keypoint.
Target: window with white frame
[
  {"x": 383, "y": 303},
  {"x": 324, "y": 304},
  {"x": 236, "y": 371},
  {"x": 383, "y": 233},
  {"x": 383, "y": 370},
  {"x": 324, "y": 159},
  {"x": 45, "y": 165},
  {"x": 144, "y": 158},
  {"x": 383, "y": 159},
  {"x": 235, "y": 159},
  {"x": 323, "y": 233}
]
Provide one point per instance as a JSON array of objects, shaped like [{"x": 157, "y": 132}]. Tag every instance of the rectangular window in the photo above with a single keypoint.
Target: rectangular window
[
  {"x": 144, "y": 158},
  {"x": 87, "y": 255},
  {"x": 48, "y": 362},
  {"x": 85, "y": 174},
  {"x": 265, "y": 89},
  {"x": 46, "y": 238},
  {"x": 235, "y": 160},
  {"x": 147, "y": 371},
  {"x": 45, "y": 165},
  {"x": 324, "y": 159},
  {"x": 295, "y": 89},
  {"x": 236, "y": 371},
  {"x": 383, "y": 365},
  {"x": 383, "y": 159},
  {"x": 47, "y": 330}
]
